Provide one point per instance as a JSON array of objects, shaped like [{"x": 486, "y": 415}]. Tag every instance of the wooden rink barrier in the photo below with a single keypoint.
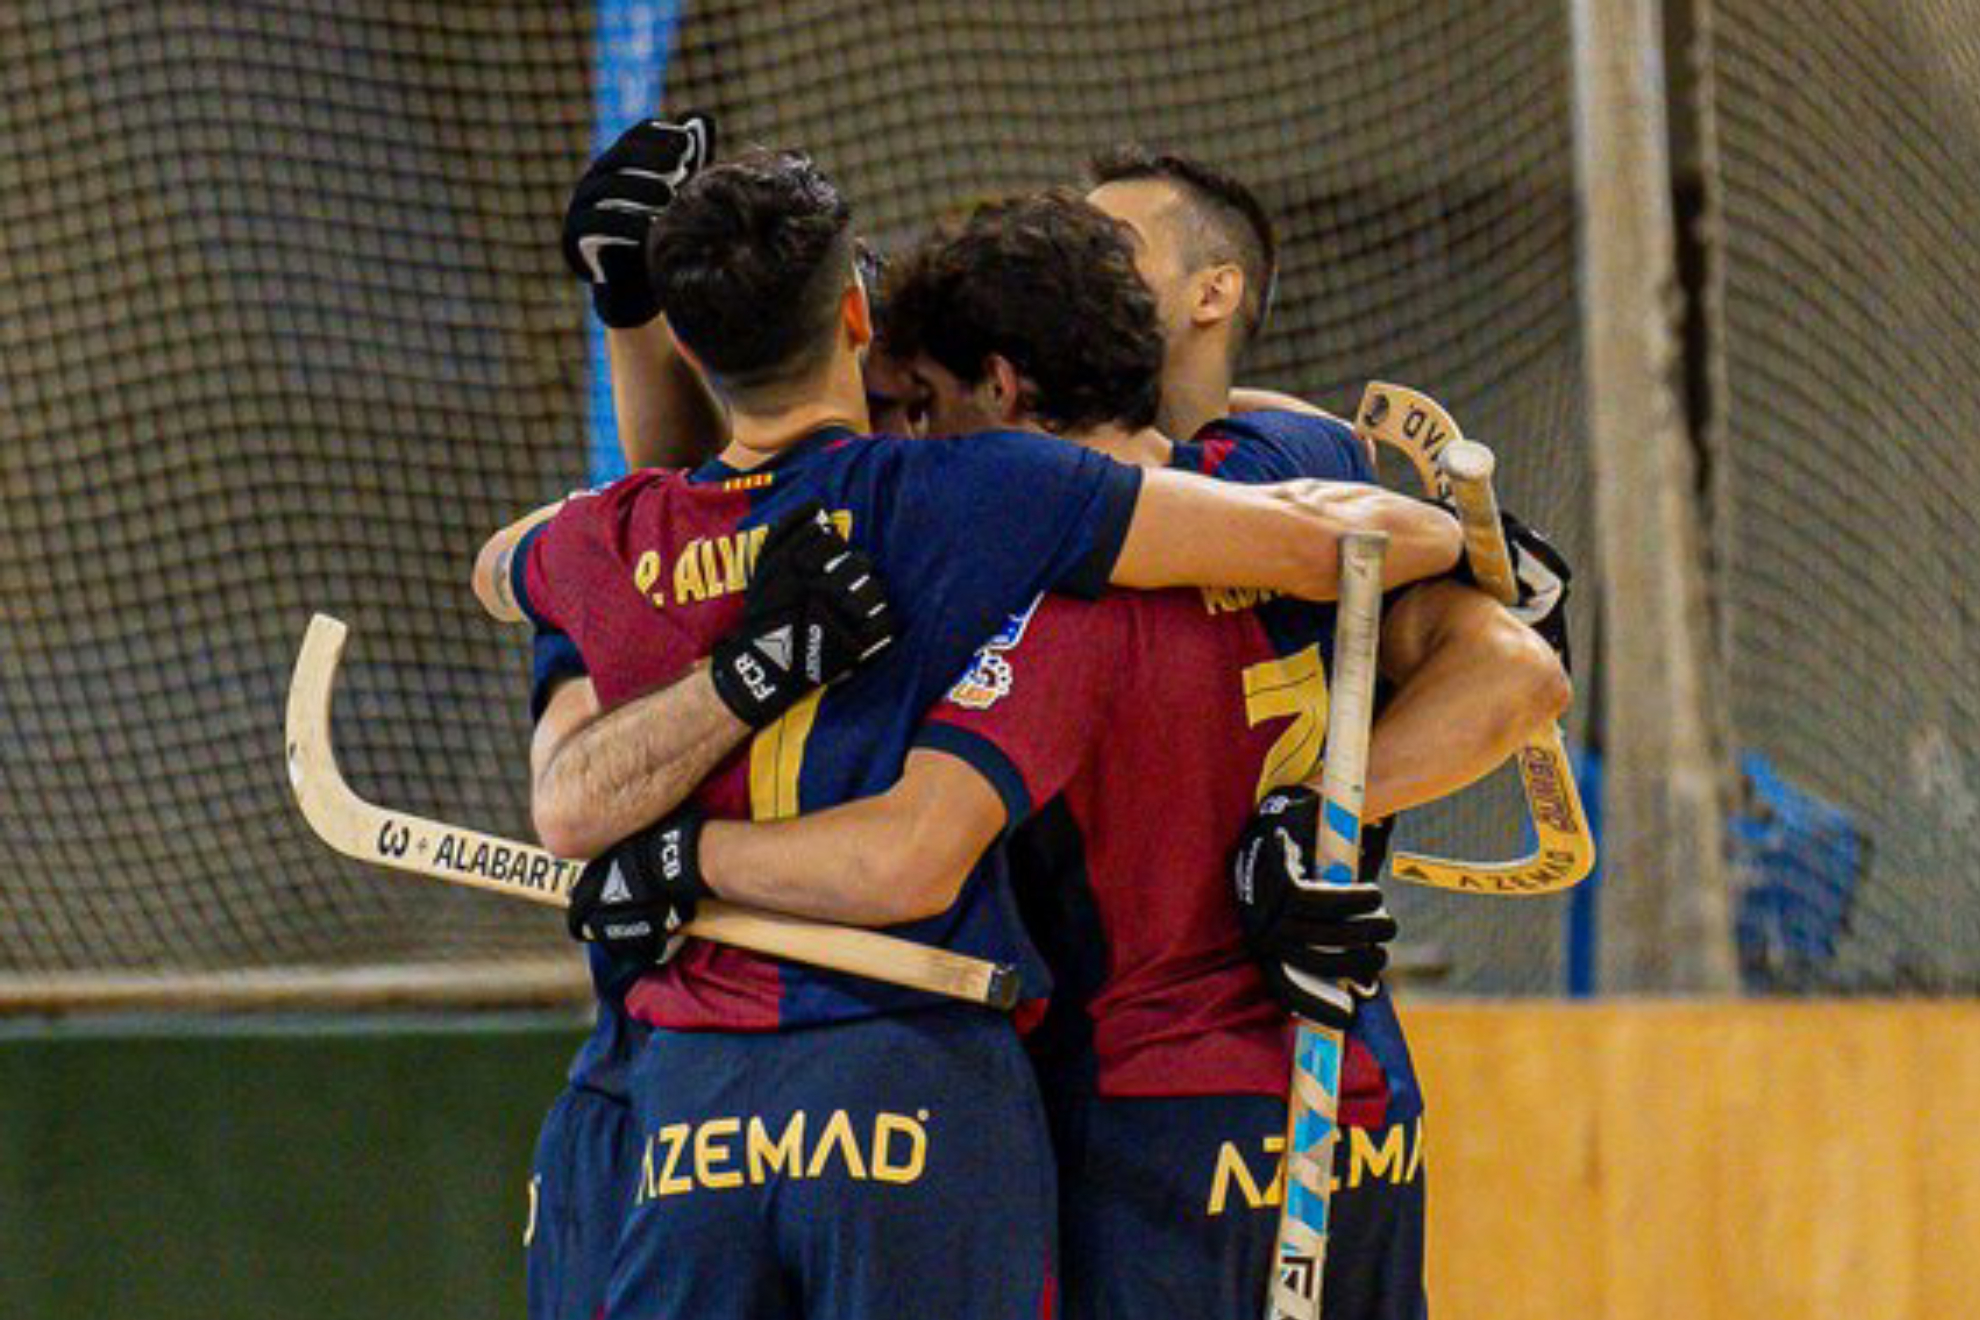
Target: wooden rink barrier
[{"x": 1713, "y": 1161}]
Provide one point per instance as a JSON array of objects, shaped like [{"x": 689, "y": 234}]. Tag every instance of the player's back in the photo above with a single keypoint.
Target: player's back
[
  {"x": 648, "y": 573},
  {"x": 1146, "y": 725},
  {"x": 1123, "y": 872}
]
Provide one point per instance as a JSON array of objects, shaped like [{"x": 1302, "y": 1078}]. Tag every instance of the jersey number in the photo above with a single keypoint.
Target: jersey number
[{"x": 1295, "y": 687}]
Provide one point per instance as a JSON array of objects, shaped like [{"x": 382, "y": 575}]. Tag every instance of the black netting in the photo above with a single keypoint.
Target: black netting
[
  {"x": 1845, "y": 340},
  {"x": 282, "y": 328}
]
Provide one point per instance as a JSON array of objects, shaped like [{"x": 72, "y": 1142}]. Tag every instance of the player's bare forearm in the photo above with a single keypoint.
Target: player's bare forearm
[
  {"x": 1189, "y": 530},
  {"x": 1473, "y": 684},
  {"x": 666, "y": 416},
  {"x": 899, "y": 856},
  {"x": 491, "y": 565},
  {"x": 596, "y": 778}
]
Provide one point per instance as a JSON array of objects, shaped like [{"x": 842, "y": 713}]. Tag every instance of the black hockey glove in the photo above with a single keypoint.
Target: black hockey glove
[
  {"x": 1321, "y": 949},
  {"x": 814, "y": 613},
  {"x": 616, "y": 203},
  {"x": 1543, "y": 575},
  {"x": 633, "y": 899}
]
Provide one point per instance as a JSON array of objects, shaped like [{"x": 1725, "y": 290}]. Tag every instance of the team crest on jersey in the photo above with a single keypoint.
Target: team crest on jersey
[{"x": 989, "y": 677}]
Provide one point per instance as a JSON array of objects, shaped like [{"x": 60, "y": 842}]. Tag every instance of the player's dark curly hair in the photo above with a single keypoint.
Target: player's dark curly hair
[
  {"x": 1048, "y": 283},
  {"x": 749, "y": 262},
  {"x": 1227, "y": 221}
]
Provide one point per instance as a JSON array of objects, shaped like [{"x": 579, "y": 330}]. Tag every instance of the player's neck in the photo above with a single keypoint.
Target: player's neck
[
  {"x": 1141, "y": 447},
  {"x": 755, "y": 438},
  {"x": 1196, "y": 387}
]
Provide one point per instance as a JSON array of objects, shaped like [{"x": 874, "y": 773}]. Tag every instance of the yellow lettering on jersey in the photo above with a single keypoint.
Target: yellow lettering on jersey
[
  {"x": 1366, "y": 1159},
  {"x": 1415, "y": 1153},
  {"x": 1232, "y": 600},
  {"x": 688, "y": 583},
  {"x": 776, "y": 758},
  {"x": 708, "y": 1155},
  {"x": 646, "y": 576},
  {"x": 666, "y": 1182},
  {"x": 1294, "y": 687},
  {"x": 886, "y": 1167},
  {"x": 1231, "y": 1168},
  {"x": 767, "y": 1157},
  {"x": 734, "y": 553},
  {"x": 838, "y": 1132},
  {"x": 711, "y": 566}
]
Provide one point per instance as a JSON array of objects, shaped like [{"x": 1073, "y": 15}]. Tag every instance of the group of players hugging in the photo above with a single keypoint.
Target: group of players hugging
[{"x": 1000, "y": 619}]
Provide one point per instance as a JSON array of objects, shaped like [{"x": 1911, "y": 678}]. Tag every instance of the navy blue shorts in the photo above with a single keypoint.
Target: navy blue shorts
[
  {"x": 580, "y": 1184},
  {"x": 1170, "y": 1208},
  {"x": 877, "y": 1169}
]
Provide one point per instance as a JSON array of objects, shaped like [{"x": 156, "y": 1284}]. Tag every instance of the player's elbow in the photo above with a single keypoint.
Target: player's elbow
[
  {"x": 490, "y": 565},
  {"x": 914, "y": 883},
  {"x": 562, "y": 826}
]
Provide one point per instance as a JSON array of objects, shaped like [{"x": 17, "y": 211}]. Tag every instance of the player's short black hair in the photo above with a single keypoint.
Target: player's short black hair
[
  {"x": 1047, "y": 282},
  {"x": 1227, "y": 221},
  {"x": 749, "y": 262}
]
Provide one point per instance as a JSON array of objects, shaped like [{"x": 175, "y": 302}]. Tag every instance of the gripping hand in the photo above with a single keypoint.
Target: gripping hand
[
  {"x": 1323, "y": 948},
  {"x": 633, "y": 899},
  {"x": 616, "y": 203},
  {"x": 815, "y": 611},
  {"x": 1544, "y": 576}
]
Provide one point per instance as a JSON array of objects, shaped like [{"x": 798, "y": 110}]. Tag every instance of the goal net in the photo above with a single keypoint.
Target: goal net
[{"x": 283, "y": 328}]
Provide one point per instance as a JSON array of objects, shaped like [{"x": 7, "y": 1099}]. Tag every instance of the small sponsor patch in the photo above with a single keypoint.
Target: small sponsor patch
[
  {"x": 986, "y": 682},
  {"x": 989, "y": 677}
]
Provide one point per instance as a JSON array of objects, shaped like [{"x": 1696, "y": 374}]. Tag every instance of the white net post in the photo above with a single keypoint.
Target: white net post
[{"x": 1665, "y": 907}]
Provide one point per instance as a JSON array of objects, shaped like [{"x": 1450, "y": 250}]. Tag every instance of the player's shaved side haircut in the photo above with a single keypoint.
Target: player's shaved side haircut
[
  {"x": 1047, "y": 282},
  {"x": 1225, "y": 221},
  {"x": 749, "y": 262}
]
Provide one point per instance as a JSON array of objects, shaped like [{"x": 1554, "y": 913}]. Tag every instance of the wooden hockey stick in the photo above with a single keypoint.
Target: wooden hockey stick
[
  {"x": 1450, "y": 466},
  {"x": 1313, "y": 1106},
  {"x": 438, "y": 851}
]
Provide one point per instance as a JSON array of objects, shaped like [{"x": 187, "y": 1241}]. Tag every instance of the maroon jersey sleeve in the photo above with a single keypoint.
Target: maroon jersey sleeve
[
  {"x": 591, "y": 573},
  {"x": 1030, "y": 707}
]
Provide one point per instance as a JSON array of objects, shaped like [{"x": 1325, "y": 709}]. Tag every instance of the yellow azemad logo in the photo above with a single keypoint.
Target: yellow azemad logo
[
  {"x": 710, "y": 567},
  {"x": 720, "y": 1154},
  {"x": 1393, "y": 1155}
]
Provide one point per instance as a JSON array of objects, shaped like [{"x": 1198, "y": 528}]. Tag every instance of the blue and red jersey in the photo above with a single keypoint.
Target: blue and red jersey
[
  {"x": 644, "y": 575},
  {"x": 1134, "y": 736}
]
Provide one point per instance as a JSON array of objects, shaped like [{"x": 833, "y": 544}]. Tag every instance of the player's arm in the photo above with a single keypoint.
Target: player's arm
[
  {"x": 903, "y": 854},
  {"x": 895, "y": 857},
  {"x": 666, "y": 415},
  {"x": 898, "y": 856},
  {"x": 1472, "y": 684},
  {"x": 494, "y": 563},
  {"x": 1188, "y": 530},
  {"x": 597, "y": 776}
]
